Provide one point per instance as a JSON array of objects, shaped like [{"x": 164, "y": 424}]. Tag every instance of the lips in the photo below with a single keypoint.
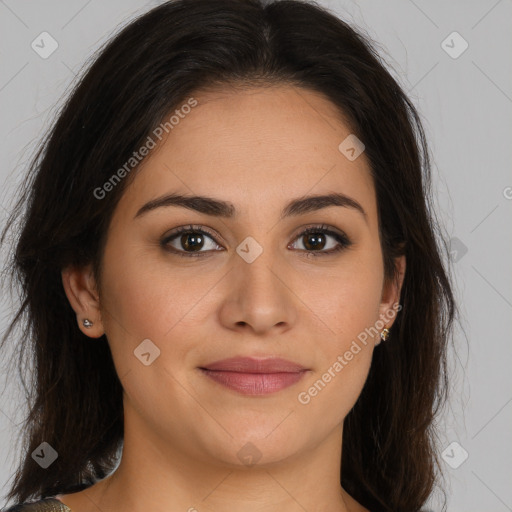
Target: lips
[
  {"x": 252, "y": 365},
  {"x": 251, "y": 376}
]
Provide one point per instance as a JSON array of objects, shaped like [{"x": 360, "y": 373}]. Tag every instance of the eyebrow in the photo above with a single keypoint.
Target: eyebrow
[{"x": 219, "y": 208}]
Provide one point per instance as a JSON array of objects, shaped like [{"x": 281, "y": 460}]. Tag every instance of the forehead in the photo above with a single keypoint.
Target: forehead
[{"x": 255, "y": 145}]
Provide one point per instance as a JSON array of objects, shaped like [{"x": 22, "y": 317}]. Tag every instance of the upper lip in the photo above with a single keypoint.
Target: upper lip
[{"x": 254, "y": 365}]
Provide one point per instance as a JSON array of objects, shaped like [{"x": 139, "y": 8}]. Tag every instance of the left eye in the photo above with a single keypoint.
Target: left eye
[{"x": 314, "y": 241}]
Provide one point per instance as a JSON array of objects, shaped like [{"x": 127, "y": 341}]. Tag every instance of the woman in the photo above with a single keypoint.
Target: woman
[{"x": 233, "y": 288}]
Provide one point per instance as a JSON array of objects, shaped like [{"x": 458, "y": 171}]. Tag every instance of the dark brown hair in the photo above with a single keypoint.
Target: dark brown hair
[{"x": 389, "y": 458}]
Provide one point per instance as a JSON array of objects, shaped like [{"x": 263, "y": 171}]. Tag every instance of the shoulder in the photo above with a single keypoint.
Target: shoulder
[{"x": 44, "y": 505}]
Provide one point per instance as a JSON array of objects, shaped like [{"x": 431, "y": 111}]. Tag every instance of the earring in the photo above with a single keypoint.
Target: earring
[
  {"x": 384, "y": 335},
  {"x": 87, "y": 323}
]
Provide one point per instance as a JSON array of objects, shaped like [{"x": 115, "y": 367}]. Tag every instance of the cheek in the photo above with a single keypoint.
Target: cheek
[
  {"x": 348, "y": 306},
  {"x": 148, "y": 302},
  {"x": 331, "y": 393},
  {"x": 348, "y": 299},
  {"x": 147, "y": 299},
  {"x": 349, "y": 309}
]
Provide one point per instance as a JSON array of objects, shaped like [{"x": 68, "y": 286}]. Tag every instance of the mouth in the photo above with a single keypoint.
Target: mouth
[{"x": 250, "y": 376}]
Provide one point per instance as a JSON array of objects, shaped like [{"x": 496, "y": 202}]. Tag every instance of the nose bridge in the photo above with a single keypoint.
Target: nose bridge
[
  {"x": 256, "y": 269},
  {"x": 259, "y": 296}
]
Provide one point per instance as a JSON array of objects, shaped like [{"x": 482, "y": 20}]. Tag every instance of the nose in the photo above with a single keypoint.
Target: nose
[{"x": 260, "y": 296}]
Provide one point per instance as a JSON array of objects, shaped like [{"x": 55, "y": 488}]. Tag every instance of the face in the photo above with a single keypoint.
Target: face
[{"x": 248, "y": 283}]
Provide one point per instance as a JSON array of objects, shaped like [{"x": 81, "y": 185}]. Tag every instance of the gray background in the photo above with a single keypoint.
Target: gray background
[{"x": 466, "y": 106}]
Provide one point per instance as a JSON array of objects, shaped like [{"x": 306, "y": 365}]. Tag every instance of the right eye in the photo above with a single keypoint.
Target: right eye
[{"x": 188, "y": 241}]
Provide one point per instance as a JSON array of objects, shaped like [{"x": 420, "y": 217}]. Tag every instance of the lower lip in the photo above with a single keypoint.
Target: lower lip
[{"x": 254, "y": 383}]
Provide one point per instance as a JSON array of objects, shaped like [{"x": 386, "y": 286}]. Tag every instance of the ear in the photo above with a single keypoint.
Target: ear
[
  {"x": 390, "y": 300},
  {"x": 81, "y": 291}
]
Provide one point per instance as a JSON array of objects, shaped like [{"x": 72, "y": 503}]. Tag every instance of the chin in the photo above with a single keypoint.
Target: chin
[{"x": 256, "y": 446}]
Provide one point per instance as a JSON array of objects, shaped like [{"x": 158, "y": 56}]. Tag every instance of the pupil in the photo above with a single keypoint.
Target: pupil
[
  {"x": 313, "y": 239},
  {"x": 197, "y": 241}
]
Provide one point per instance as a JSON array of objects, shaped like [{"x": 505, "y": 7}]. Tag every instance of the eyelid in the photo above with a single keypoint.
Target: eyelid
[{"x": 322, "y": 227}]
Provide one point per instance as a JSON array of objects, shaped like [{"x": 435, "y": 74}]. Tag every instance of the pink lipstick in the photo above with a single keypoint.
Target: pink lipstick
[{"x": 250, "y": 376}]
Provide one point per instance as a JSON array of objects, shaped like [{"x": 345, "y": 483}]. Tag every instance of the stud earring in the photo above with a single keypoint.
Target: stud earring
[
  {"x": 384, "y": 335},
  {"x": 87, "y": 323}
]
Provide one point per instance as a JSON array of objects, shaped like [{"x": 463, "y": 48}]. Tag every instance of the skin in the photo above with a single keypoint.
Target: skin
[{"x": 257, "y": 149}]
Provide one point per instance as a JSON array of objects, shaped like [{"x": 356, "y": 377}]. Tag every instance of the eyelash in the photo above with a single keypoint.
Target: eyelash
[{"x": 343, "y": 241}]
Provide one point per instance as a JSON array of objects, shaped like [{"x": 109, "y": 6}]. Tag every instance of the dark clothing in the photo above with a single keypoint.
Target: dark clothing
[{"x": 44, "y": 505}]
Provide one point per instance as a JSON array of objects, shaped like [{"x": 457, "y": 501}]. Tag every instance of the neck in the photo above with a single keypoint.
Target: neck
[{"x": 153, "y": 475}]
